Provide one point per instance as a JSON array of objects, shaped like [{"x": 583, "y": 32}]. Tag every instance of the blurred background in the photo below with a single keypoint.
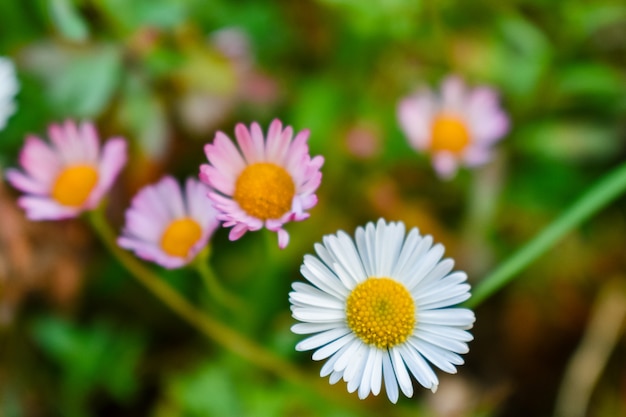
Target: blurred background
[{"x": 80, "y": 337}]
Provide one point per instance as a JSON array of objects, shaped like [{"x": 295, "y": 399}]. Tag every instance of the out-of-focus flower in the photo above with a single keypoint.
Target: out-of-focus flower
[
  {"x": 381, "y": 309},
  {"x": 363, "y": 140},
  {"x": 8, "y": 90},
  {"x": 264, "y": 182},
  {"x": 457, "y": 127},
  {"x": 167, "y": 225},
  {"x": 70, "y": 175}
]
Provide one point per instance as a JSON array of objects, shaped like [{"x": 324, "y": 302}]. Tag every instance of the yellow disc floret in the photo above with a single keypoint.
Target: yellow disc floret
[
  {"x": 180, "y": 236},
  {"x": 264, "y": 190},
  {"x": 450, "y": 134},
  {"x": 74, "y": 184},
  {"x": 381, "y": 312}
]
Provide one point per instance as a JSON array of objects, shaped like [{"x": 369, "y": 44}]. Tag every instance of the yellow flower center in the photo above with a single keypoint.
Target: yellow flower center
[
  {"x": 180, "y": 236},
  {"x": 74, "y": 184},
  {"x": 264, "y": 190},
  {"x": 450, "y": 134},
  {"x": 381, "y": 312}
]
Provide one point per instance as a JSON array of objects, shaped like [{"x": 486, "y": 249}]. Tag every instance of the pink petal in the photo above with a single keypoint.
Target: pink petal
[
  {"x": 151, "y": 252},
  {"x": 259, "y": 142},
  {"x": 171, "y": 197},
  {"x": 445, "y": 164},
  {"x": 199, "y": 205},
  {"x": 453, "y": 96},
  {"x": 41, "y": 208},
  {"x": 147, "y": 228},
  {"x": 277, "y": 142},
  {"x": 237, "y": 231},
  {"x": 283, "y": 238},
  {"x": 40, "y": 161},
  {"x": 415, "y": 116},
  {"x": 487, "y": 127},
  {"x": 223, "y": 155},
  {"x": 476, "y": 156},
  {"x": 26, "y": 184},
  {"x": 90, "y": 142},
  {"x": 249, "y": 149}
]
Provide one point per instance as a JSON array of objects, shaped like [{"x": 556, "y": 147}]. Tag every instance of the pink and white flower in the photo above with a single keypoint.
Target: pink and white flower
[
  {"x": 168, "y": 225},
  {"x": 68, "y": 176},
  {"x": 262, "y": 182},
  {"x": 457, "y": 127}
]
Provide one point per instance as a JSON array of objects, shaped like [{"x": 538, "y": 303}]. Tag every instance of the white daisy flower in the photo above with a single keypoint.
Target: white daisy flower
[
  {"x": 8, "y": 90},
  {"x": 381, "y": 309}
]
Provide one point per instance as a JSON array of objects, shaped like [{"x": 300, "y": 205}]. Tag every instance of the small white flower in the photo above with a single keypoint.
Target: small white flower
[
  {"x": 8, "y": 89},
  {"x": 381, "y": 309}
]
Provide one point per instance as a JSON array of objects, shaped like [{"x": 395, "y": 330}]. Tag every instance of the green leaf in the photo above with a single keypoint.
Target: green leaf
[
  {"x": 569, "y": 140},
  {"x": 144, "y": 114},
  {"x": 132, "y": 14},
  {"x": 590, "y": 79},
  {"x": 524, "y": 55},
  {"x": 68, "y": 20},
  {"x": 208, "y": 390},
  {"x": 97, "y": 356},
  {"x": 86, "y": 83}
]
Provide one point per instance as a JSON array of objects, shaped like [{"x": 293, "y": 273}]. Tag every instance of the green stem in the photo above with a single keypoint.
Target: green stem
[
  {"x": 215, "y": 289},
  {"x": 601, "y": 194},
  {"x": 210, "y": 328}
]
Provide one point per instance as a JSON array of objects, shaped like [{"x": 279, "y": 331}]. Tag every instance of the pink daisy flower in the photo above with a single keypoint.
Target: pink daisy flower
[
  {"x": 459, "y": 127},
  {"x": 68, "y": 176},
  {"x": 167, "y": 225},
  {"x": 263, "y": 182}
]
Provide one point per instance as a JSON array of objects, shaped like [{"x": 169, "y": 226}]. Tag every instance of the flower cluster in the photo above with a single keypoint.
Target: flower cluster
[{"x": 378, "y": 307}]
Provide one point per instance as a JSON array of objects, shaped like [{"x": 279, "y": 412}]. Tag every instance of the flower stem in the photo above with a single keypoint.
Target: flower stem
[
  {"x": 598, "y": 196},
  {"x": 215, "y": 289},
  {"x": 209, "y": 327}
]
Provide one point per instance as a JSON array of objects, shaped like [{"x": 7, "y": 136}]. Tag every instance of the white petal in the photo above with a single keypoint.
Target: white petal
[
  {"x": 308, "y": 328},
  {"x": 391, "y": 385},
  {"x": 365, "y": 244},
  {"x": 446, "y": 331},
  {"x": 319, "y": 275},
  {"x": 344, "y": 358},
  {"x": 318, "y": 315},
  {"x": 377, "y": 371},
  {"x": 328, "y": 366},
  {"x": 333, "y": 347},
  {"x": 460, "y": 317},
  {"x": 418, "y": 366},
  {"x": 441, "y": 358},
  {"x": 355, "y": 367},
  {"x": 321, "y": 339},
  {"x": 425, "y": 265},
  {"x": 335, "y": 377},
  {"x": 405, "y": 258},
  {"x": 320, "y": 300},
  {"x": 366, "y": 377},
  {"x": 401, "y": 373},
  {"x": 438, "y": 272}
]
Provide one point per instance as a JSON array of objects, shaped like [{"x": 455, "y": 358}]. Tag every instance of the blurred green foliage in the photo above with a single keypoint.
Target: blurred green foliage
[{"x": 166, "y": 74}]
